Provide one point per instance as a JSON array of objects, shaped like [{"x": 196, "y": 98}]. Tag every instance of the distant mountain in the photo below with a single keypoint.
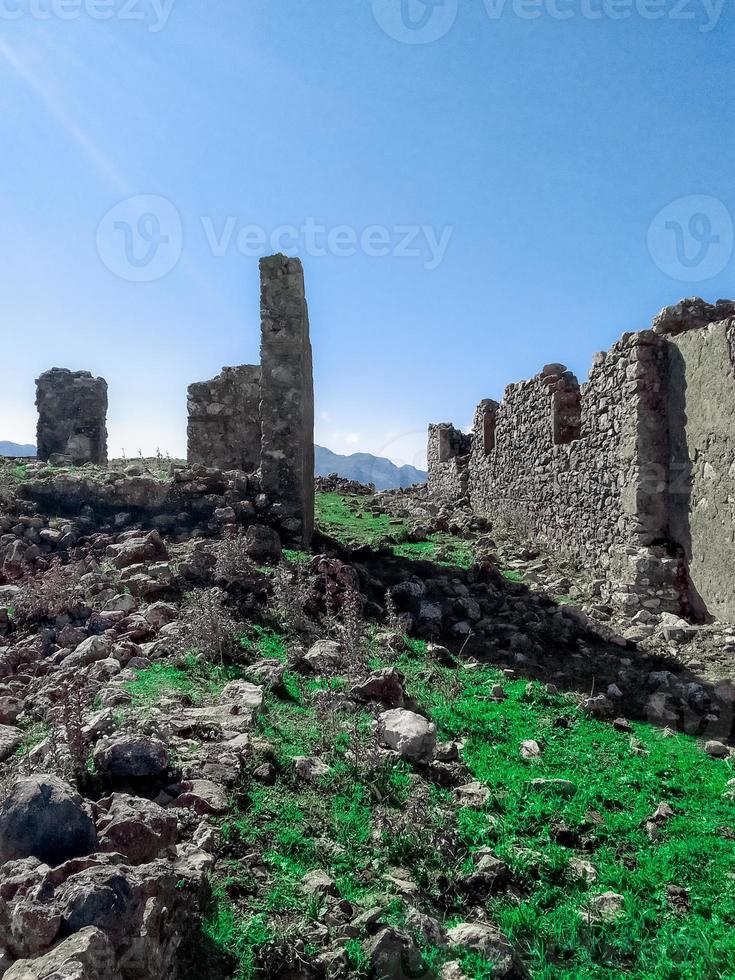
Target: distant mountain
[
  {"x": 367, "y": 469},
  {"x": 360, "y": 466},
  {"x": 13, "y": 449}
]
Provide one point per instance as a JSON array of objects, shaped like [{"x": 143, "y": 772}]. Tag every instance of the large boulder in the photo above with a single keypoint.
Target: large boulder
[
  {"x": 10, "y": 739},
  {"x": 262, "y": 543},
  {"x": 43, "y": 817},
  {"x": 393, "y": 955},
  {"x": 131, "y": 757},
  {"x": 145, "y": 911},
  {"x": 137, "y": 551},
  {"x": 87, "y": 955},
  {"x": 324, "y": 656},
  {"x": 135, "y": 827},
  {"x": 386, "y": 685},
  {"x": 409, "y": 734},
  {"x": 489, "y": 942}
]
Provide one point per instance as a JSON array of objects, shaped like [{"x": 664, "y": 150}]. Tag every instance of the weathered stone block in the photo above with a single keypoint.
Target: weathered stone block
[
  {"x": 72, "y": 414},
  {"x": 224, "y": 420},
  {"x": 287, "y": 391}
]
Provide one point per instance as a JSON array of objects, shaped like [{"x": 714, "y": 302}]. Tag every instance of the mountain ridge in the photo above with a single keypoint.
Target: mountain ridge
[{"x": 362, "y": 467}]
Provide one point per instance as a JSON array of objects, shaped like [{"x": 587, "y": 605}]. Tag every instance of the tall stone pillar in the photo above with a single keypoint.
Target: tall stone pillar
[
  {"x": 287, "y": 395},
  {"x": 72, "y": 417}
]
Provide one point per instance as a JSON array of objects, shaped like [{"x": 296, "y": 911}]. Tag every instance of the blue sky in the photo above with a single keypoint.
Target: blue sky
[{"x": 475, "y": 188}]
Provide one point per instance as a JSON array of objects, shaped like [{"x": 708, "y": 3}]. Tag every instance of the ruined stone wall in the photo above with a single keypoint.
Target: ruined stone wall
[
  {"x": 569, "y": 465},
  {"x": 262, "y": 417},
  {"x": 287, "y": 393},
  {"x": 224, "y": 420},
  {"x": 448, "y": 461},
  {"x": 72, "y": 416},
  {"x": 633, "y": 474},
  {"x": 701, "y": 412}
]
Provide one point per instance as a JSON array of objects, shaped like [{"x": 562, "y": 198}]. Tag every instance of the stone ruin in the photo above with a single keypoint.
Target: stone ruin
[
  {"x": 632, "y": 473},
  {"x": 255, "y": 419},
  {"x": 72, "y": 415},
  {"x": 262, "y": 417}
]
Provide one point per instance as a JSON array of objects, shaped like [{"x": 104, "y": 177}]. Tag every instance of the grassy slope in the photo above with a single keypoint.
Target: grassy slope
[
  {"x": 370, "y": 816},
  {"x": 345, "y": 518},
  {"x": 619, "y": 780}
]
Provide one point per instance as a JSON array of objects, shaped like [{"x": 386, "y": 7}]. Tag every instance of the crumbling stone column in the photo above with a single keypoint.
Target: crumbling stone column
[
  {"x": 224, "y": 420},
  {"x": 566, "y": 404},
  {"x": 72, "y": 416},
  {"x": 448, "y": 455},
  {"x": 287, "y": 394}
]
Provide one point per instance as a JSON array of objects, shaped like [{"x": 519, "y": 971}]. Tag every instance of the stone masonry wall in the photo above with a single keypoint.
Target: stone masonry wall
[
  {"x": 287, "y": 389},
  {"x": 224, "y": 420},
  {"x": 262, "y": 417},
  {"x": 701, "y": 411},
  {"x": 633, "y": 473},
  {"x": 72, "y": 415},
  {"x": 448, "y": 461}
]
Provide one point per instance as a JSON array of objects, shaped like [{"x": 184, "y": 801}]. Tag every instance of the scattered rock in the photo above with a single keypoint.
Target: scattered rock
[
  {"x": 10, "y": 740},
  {"x": 489, "y": 942},
  {"x": 262, "y": 543},
  {"x": 407, "y": 733},
  {"x": 324, "y": 656},
  {"x": 43, "y": 817},
  {"x": 606, "y": 907},
  {"x": 131, "y": 757},
  {"x": 392, "y": 954},
  {"x": 87, "y": 955},
  {"x": 310, "y": 769},
  {"x": 318, "y": 883},
  {"x": 203, "y": 797},
  {"x": 530, "y": 749},
  {"x": 135, "y": 827},
  {"x": 718, "y": 750},
  {"x": 472, "y": 794},
  {"x": 385, "y": 686}
]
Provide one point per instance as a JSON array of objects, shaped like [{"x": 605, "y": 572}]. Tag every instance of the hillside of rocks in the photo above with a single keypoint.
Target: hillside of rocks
[{"x": 425, "y": 748}]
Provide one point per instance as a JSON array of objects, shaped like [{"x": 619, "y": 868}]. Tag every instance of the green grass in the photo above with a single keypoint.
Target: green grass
[
  {"x": 264, "y": 642},
  {"x": 297, "y": 557},
  {"x": 355, "y": 826},
  {"x": 197, "y": 679},
  {"x": 621, "y": 780},
  {"x": 34, "y": 732},
  {"x": 513, "y": 576},
  {"x": 345, "y": 518},
  {"x": 300, "y": 828},
  {"x": 442, "y": 549}
]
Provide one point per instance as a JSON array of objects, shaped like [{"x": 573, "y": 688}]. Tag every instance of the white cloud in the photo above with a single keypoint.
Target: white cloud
[{"x": 353, "y": 438}]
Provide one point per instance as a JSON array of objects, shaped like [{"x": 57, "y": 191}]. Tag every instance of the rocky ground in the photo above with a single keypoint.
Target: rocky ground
[{"x": 424, "y": 749}]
